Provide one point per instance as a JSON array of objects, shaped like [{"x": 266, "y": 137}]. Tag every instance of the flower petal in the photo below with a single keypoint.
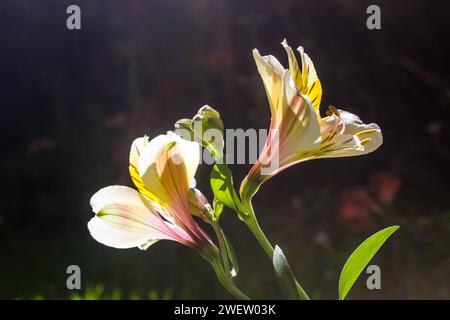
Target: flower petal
[
  {"x": 135, "y": 153},
  {"x": 299, "y": 128},
  {"x": 110, "y": 236},
  {"x": 199, "y": 205},
  {"x": 188, "y": 150},
  {"x": 311, "y": 85},
  {"x": 190, "y": 153},
  {"x": 123, "y": 220},
  {"x": 357, "y": 139},
  {"x": 271, "y": 72},
  {"x": 166, "y": 176},
  {"x": 136, "y": 150},
  {"x": 294, "y": 68}
]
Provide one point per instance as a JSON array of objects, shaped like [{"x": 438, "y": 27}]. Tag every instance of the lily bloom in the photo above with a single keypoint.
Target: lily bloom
[
  {"x": 163, "y": 171},
  {"x": 297, "y": 130}
]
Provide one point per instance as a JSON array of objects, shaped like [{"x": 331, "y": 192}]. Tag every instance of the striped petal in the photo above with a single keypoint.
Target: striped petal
[
  {"x": 167, "y": 167},
  {"x": 135, "y": 153},
  {"x": 306, "y": 79},
  {"x": 297, "y": 131},
  {"x": 352, "y": 139},
  {"x": 189, "y": 152}
]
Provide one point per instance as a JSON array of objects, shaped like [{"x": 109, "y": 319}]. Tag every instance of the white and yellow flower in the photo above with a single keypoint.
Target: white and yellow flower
[
  {"x": 297, "y": 130},
  {"x": 163, "y": 171}
]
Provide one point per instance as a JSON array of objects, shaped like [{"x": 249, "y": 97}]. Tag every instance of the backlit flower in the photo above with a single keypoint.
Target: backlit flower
[
  {"x": 163, "y": 171},
  {"x": 297, "y": 130}
]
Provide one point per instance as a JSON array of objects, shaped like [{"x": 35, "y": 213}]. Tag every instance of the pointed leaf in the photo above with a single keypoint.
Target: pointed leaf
[{"x": 360, "y": 258}]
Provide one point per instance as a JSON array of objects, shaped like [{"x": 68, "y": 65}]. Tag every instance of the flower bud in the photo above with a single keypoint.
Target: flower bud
[
  {"x": 208, "y": 130},
  {"x": 183, "y": 128}
]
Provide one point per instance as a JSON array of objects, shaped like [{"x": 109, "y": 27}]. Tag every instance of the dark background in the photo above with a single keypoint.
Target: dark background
[{"x": 73, "y": 101}]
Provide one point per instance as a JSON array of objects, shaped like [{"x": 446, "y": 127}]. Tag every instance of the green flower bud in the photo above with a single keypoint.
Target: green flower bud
[
  {"x": 183, "y": 128},
  {"x": 208, "y": 130}
]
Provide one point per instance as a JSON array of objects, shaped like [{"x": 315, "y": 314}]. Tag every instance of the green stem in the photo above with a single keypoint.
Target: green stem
[
  {"x": 255, "y": 228},
  {"x": 226, "y": 282},
  {"x": 253, "y": 225}
]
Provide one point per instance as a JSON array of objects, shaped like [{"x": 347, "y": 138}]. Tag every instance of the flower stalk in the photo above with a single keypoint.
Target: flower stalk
[
  {"x": 212, "y": 256},
  {"x": 253, "y": 225}
]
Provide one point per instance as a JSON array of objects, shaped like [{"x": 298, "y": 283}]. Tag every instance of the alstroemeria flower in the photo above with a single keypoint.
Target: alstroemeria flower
[
  {"x": 297, "y": 130},
  {"x": 163, "y": 171}
]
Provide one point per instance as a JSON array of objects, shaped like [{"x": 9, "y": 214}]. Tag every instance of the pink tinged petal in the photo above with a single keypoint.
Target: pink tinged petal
[
  {"x": 297, "y": 133},
  {"x": 199, "y": 205},
  {"x": 300, "y": 129},
  {"x": 167, "y": 168},
  {"x": 189, "y": 153},
  {"x": 165, "y": 177},
  {"x": 123, "y": 220},
  {"x": 114, "y": 237},
  {"x": 330, "y": 126},
  {"x": 173, "y": 175}
]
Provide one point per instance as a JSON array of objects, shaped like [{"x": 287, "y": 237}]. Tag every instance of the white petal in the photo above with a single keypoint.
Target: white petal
[
  {"x": 356, "y": 140},
  {"x": 271, "y": 72},
  {"x": 349, "y": 117},
  {"x": 123, "y": 220},
  {"x": 111, "y": 195},
  {"x": 305, "y": 132},
  {"x": 151, "y": 151},
  {"x": 137, "y": 147},
  {"x": 190, "y": 152},
  {"x": 113, "y": 237}
]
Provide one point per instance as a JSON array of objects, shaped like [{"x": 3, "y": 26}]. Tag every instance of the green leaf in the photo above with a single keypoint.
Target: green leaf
[
  {"x": 221, "y": 180},
  {"x": 284, "y": 275},
  {"x": 360, "y": 258}
]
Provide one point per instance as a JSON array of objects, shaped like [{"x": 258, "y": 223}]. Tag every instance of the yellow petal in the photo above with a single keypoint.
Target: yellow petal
[
  {"x": 294, "y": 68},
  {"x": 311, "y": 85},
  {"x": 136, "y": 150},
  {"x": 135, "y": 153}
]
